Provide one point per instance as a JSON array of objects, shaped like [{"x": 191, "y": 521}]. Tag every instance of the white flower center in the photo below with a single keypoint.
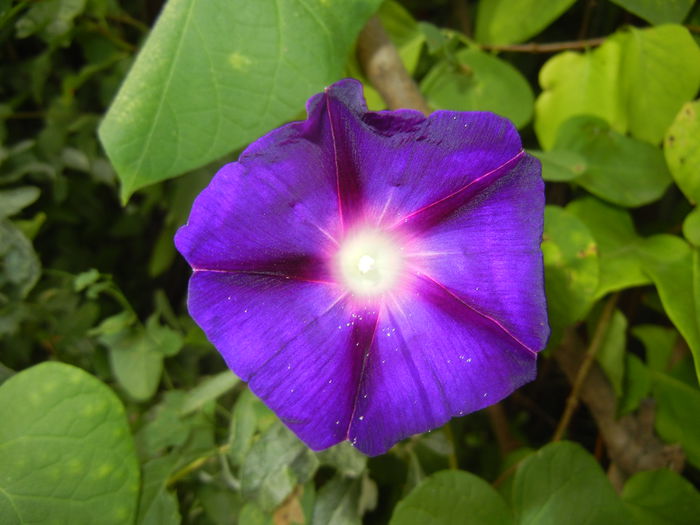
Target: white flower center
[{"x": 370, "y": 263}]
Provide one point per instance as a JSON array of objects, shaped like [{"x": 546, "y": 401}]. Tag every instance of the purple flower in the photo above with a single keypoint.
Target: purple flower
[{"x": 372, "y": 275}]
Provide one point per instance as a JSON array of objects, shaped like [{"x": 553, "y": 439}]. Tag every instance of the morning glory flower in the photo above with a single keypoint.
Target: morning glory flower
[{"x": 373, "y": 274}]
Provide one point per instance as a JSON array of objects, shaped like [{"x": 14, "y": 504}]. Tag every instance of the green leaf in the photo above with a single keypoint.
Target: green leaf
[
  {"x": 18, "y": 261},
  {"x": 661, "y": 497},
  {"x": 163, "y": 426},
  {"x": 611, "y": 355},
  {"x": 571, "y": 268},
  {"x": 675, "y": 269},
  {"x": 562, "y": 483},
  {"x": 677, "y": 418},
  {"x": 658, "y": 11},
  {"x": 682, "y": 152},
  {"x": 50, "y": 19},
  {"x": 345, "y": 458},
  {"x": 691, "y": 227},
  {"x": 619, "y": 169},
  {"x": 448, "y": 497},
  {"x": 479, "y": 82},
  {"x": 513, "y": 21},
  {"x": 215, "y": 75},
  {"x": 337, "y": 503},
  {"x": 209, "y": 389},
  {"x": 16, "y": 199},
  {"x": 66, "y": 455},
  {"x": 624, "y": 82},
  {"x": 560, "y": 166},
  {"x": 658, "y": 342},
  {"x": 274, "y": 465},
  {"x": 136, "y": 364},
  {"x": 244, "y": 422},
  {"x": 613, "y": 230},
  {"x": 157, "y": 505},
  {"x": 637, "y": 384},
  {"x": 651, "y": 57},
  {"x": 165, "y": 340},
  {"x": 577, "y": 84}
]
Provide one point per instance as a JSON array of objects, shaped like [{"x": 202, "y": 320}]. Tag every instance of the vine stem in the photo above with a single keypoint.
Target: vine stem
[
  {"x": 551, "y": 47},
  {"x": 588, "y": 360},
  {"x": 196, "y": 464}
]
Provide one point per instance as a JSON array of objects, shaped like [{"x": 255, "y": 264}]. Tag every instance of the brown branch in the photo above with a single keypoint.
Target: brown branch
[
  {"x": 381, "y": 63},
  {"x": 551, "y": 47},
  {"x": 588, "y": 360},
  {"x": 498, "y": 419},
  {"x": 631, "y": 442},
  {"x": 555, "y": 47}
]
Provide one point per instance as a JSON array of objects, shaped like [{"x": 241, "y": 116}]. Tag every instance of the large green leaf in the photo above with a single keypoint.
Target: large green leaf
[
  {"x": 619, "y": 169},
  {"x": 660, "y": 71},
  {"x": 215, "y": 75},
  {"x": 682, "y": 150},
  {"x": 66, "y": 454},
  {"x": 675, "y": 269},
  {"x": 562, "y": 483},
  {"x": 617, "y": 241},
  {"x": 511, "y": 21},
  {"x": 658, "y": 11},
  {"x": 481, "y": 82},
  {"x": 571, "y": 268},
  {"x": 452, "y": 497},
  {"x": 661, "y": 497},
  {"x": 580, "y": 84}
]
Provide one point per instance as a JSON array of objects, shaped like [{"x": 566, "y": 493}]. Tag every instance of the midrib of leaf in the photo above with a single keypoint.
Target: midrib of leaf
[{"x": 161, "y": 100}]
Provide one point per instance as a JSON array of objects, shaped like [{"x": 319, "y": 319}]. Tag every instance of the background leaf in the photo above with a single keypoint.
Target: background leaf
[
  {"x": 661, "y": 497},
  {"x": 658, "y": 11},
  {"x": 452, "y": 497},
  {"x": 479, "y": 82},
  {"x": 67, "y": 456},
  {"x": 650, "y": 57},
  {"x": 580, "y": 84},
  {"x": 512, "y": 21},
  {"x": 215, "y": 75},
  {"x": 682, "y": 151},
  {"x": 619, "y": 169},
  {"x": 562, "y": 483},
  {"x": 613, "y": 230},
  {"x": 571, "y": 268}
]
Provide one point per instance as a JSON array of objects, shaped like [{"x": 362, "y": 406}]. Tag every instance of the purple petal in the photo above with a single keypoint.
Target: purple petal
[
  {"x": 273, "y": 208},
  {"x": 299, "y": 345},
  {"x": 432, "y": 358},
  {"x": 393, "y": 164},
  {"x": 488, "y": 253}
]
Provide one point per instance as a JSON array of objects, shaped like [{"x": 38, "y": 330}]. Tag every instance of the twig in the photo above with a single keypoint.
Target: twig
[
  {"x": 381, "y": 63},
  {"x": 452, "y": 456},
  {"x": 196, "y": 464},
  {"x": 588, "y": 360},
  {"x": 586, "y": 19},
  {"x": 555, "y": 47},
  {"x": 551, "y": 47},
  {"x": 460, "y": 11},
  {"x": 631, "y": 442},
  {"x": 507, "y": 442}
]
